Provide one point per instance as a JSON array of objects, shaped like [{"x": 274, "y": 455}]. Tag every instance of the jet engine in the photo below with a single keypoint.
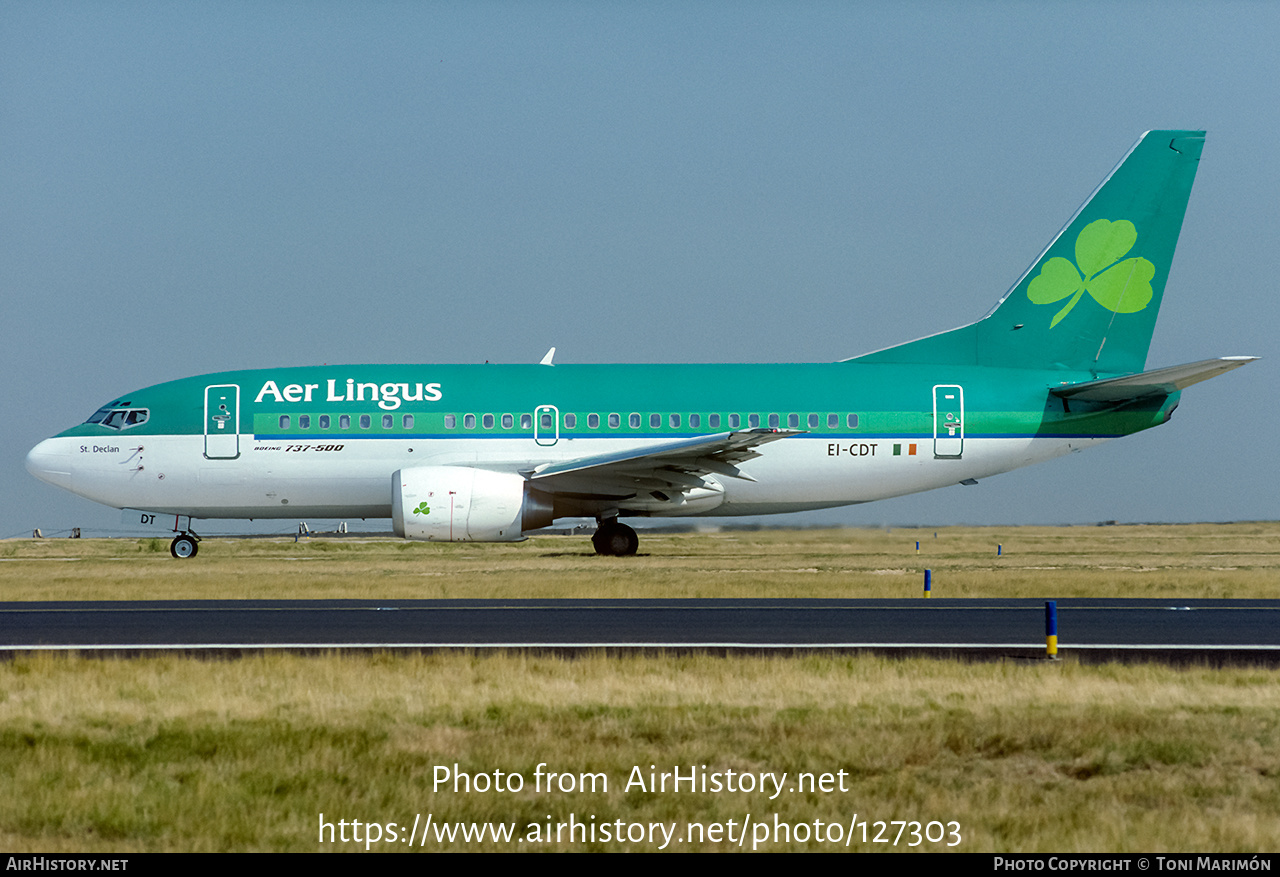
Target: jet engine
[{"x": 463, "y": 504}]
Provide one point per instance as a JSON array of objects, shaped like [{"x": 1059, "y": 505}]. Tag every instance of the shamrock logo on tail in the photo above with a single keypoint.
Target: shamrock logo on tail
[
  {"x": 422, "y": 509},
  {"x": 1122, "y": 287}
]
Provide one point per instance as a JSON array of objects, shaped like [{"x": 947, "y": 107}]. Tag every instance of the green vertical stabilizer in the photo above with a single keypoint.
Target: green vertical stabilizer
[{"x": 1089, "y": 302}]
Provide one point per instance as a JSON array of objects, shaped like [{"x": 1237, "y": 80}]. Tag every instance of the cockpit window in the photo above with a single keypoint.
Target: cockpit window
[{"x": 119, "y": 418}]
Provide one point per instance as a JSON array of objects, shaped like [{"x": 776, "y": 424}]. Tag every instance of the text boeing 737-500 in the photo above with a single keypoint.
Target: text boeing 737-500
[{"x": 490, "y": 452}]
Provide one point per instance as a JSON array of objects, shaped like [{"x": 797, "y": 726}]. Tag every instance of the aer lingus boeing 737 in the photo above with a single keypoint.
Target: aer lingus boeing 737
[{"x": 490, "y": 452}]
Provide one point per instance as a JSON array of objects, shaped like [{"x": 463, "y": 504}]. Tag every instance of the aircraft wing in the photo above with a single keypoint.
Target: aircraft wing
[
  {"x": 678, "y": 465},
  {"x": 1160, "y": 382}
]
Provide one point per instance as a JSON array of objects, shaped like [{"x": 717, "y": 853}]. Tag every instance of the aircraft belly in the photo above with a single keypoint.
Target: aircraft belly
[
  {"x": 797, "y": 476},
  {"x": 171, "y": 474}
]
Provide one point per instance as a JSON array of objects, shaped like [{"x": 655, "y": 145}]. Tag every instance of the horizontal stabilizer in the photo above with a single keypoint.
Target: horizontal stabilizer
[{"x": 1160, "y": 382}]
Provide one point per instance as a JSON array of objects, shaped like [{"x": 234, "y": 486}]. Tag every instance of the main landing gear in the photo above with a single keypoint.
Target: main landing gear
[
  {"x": 612, "y": 538},
  {"x": 184, "y": 545}
]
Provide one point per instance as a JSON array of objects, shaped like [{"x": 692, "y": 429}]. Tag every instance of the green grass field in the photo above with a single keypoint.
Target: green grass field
[{"x": 170, "y": 753}]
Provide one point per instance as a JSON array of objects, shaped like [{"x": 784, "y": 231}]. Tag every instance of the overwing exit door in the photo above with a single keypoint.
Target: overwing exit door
[{"x": 546, "y": 425}]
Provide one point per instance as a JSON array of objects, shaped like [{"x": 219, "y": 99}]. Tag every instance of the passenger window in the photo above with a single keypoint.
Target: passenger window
[
  {"x": 469, "y": 421},
  {"x": 304, "y": 421},
  {"x": 675, "y": 421},
  {"x": 570, "y": 421},
  {"x": 526, "y": 421},
  {"x": 407, "y": 421},
  {"x": 853, "y": 421},
  {"x": 344, "y": 421},
  {"x": 614, "y": 421},
  {"x": 813, "y": 421},
  {"x": 388, "y": 421},
  {"x": 734, "y": 421},
  {"x": 284, "y": 421},
  {"x": 507, "y": 421},
  {"x": 695, "y": 421},
  {"x": 634, "y": 421},
  {"x": 833, "y": 421},
  {"x": 774, "y": 421},
  {"x": 753, "y": 421},
  {"x": 365, "y": 421},
  {"x": 324, "y": 421},
  {"x": 793, "y": 421},
  {"x": 655, "y": 421},
  {"x": 451, "y": 421},
  {"x": 593, "y": 421},
  {"x": 713, "y": 421},
  {"x": 487, "y": 420}
]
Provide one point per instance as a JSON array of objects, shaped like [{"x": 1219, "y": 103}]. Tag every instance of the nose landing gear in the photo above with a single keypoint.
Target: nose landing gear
[{"x": 184, "y": 545}]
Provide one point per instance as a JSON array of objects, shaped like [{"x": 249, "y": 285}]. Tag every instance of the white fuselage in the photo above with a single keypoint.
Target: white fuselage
[{"x": 286, "y": 479}]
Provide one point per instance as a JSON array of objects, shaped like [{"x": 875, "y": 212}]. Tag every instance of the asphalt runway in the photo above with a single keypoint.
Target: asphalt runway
[{"x": 1213, "y": 630}]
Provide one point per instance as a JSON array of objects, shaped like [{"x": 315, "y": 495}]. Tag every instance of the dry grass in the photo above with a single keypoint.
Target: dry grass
[
  {"x": 172, "y": 754},
  {"x": 175, "y": 754},
  {"x": 1188, "y": 561}
]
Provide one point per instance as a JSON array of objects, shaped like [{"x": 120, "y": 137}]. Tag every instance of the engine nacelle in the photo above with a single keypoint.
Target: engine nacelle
[{"x": 462, "y": 504}]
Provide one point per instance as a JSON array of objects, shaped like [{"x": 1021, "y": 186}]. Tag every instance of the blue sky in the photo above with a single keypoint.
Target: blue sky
[{"x": 192, "y": 187}]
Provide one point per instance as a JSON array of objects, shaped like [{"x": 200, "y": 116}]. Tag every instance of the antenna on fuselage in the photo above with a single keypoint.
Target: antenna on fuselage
[{"x": 546, "y": 360}]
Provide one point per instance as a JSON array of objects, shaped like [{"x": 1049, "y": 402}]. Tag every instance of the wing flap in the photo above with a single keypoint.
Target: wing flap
[{"x": 683, "y": 467}]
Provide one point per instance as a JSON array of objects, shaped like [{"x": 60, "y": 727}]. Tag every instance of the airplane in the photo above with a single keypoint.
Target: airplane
[{"x": 490, "y": 452}]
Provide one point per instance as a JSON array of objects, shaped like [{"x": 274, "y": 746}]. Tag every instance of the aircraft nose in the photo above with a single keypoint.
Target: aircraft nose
[{"x": 50, "y": 461}]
